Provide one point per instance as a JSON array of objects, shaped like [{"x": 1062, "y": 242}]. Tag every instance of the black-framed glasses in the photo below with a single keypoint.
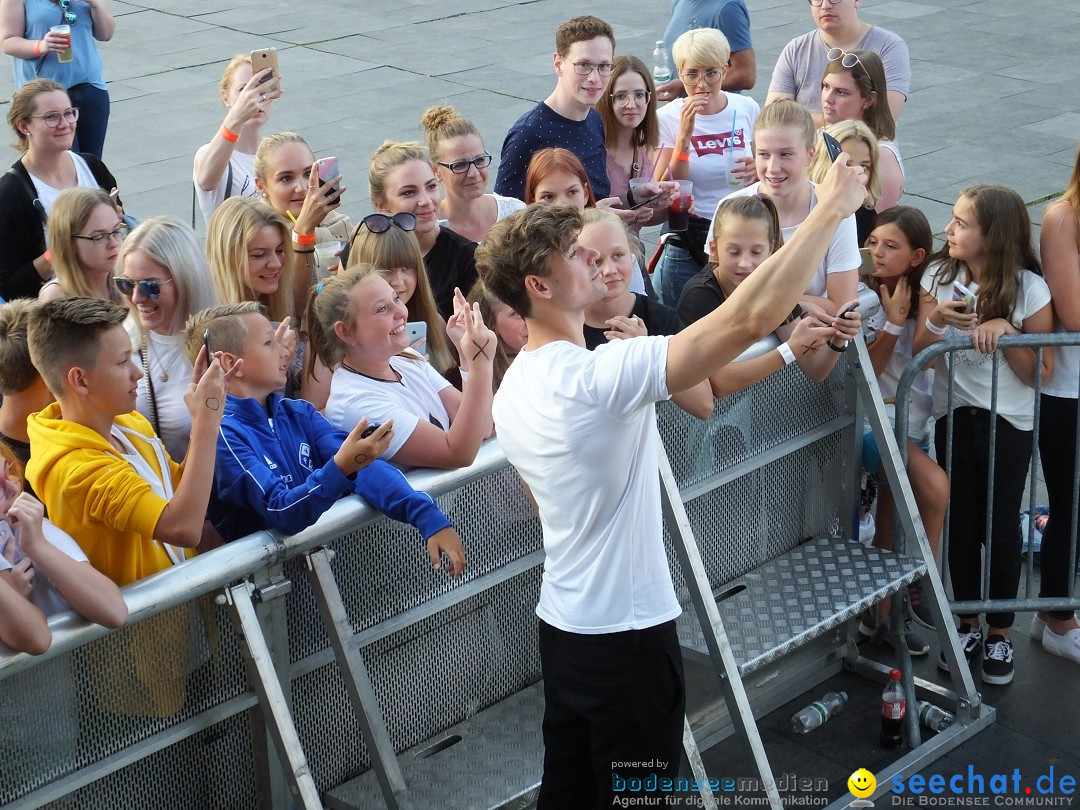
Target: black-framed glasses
[
  {"x": 100, "y": 239},
  {"x": 818, "y": 3},
  {"x": 710, "y": 76},
  {"x": 52, "y": 119},
  {"x": 847, "y": 59},
  {"x": 625, "y": 98},
  {"x": 69, "y": 16},
  {"x": 150, "y": 287},
  {"x": 604, "y": 69},
  {"x": 462, "y": 166}
]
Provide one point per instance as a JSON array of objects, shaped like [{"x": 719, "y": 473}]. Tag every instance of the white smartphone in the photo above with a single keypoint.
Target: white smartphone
[{"x": 417, "y": 330}]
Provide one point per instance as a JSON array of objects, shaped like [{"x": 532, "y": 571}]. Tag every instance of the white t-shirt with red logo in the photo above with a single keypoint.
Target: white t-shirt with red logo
[{"x": 713, "y": 145}]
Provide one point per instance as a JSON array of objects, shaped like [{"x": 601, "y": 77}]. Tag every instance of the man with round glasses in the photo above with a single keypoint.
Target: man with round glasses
[
  {"x": 802, "y": 63},
  {"x": 584, "y": 54}
]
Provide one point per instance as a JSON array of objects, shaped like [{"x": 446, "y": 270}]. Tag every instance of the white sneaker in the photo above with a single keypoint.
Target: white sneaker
[
  {"x": 1066, "y": 645},
  {"x": 1038, "y": 627}
]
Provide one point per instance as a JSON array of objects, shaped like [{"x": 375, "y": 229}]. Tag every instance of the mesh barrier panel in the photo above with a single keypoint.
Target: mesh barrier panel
[
  {"x": 428, "y": 676},
  {"x": 114, "y": 693}
]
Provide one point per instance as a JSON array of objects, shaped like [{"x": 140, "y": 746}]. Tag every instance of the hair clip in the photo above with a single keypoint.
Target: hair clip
[
  {"x": 759, "y": 198},
  {"x": 319, "y": 287}
]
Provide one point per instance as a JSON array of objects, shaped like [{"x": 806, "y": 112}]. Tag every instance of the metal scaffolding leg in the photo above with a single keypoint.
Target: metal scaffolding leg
[
  {"x": 264, "y": 680},
  {"x": 727, "y": 670},
  {"x": 355, "y": 675}
]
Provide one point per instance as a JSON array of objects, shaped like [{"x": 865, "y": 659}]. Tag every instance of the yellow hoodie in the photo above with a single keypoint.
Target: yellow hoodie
[{"x": 94, "y": 494}]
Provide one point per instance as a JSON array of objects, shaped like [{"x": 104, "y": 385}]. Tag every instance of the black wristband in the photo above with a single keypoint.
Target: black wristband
[{"x": 837, "y": 349}]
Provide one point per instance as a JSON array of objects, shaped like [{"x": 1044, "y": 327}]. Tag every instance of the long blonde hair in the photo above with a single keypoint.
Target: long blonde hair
[
  {"x": 847, "y": 131},
  {"x": 232, "y": 227},
  {"x": 328, "y": 302},
  {"x": 397, "y": 248},
  {"x": 69, "y": 214}
]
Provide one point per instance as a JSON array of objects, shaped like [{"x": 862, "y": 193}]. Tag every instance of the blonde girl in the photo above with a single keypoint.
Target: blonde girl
[
  {"x": 859, "y": 142},
  {"x": 85, "y": 234}
]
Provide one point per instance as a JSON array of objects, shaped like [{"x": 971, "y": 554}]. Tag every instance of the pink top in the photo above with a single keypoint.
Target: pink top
[{"x": 620, "y": 180}]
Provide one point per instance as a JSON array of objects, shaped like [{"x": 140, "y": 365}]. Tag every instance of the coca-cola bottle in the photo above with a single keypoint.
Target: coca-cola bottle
[{"x": 893, "y": 710}]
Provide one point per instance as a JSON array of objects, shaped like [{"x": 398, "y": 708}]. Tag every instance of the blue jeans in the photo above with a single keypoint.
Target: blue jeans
[
  {"x": 93, "y": 104},
  {"x": 677, "y": 267}
]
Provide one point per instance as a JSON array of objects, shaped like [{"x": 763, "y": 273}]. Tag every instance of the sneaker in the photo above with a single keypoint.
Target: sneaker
[
  {"x": 997, "y": 666},
  {"x": 916, "y": 644},
  {"x": 867, "y": 625},
  {"x": 918, "y": 609},
  {"x": 970, "y": 641},
  {"x": 1038, "y": 627},
  {"x": 1066, "y": 645}
]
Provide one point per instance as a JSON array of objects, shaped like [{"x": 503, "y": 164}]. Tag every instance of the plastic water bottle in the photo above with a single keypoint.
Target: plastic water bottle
[
  {"x": 661, "y": 73},
  {"x": 934, "y": 717},
  {"x": 893, "y": 710},
  {"x": 818, "y": 712}
]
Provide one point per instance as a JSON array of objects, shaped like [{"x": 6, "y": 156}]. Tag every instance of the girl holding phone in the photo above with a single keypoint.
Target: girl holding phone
[{"x": 989, "y": 251}]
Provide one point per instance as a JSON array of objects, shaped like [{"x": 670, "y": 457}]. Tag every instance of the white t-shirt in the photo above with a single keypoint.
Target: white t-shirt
[
  {"x": 580, "y": 427},
  {"x": 843, "y": 252},
  {"x": 243, "y": 182},
  {"x": 894, "y": 148},
  {"x": 505, "y": 206},
  {"x": 713, "y": 145},
  {"x": 167, "y": 358},
  {"x": 921, "y": 390},
  {"x": 974, "y": 370},
  {"x": 44, "y": 595},
  {"x": 415, "y": 397},
  {"x": 46, "y": 194}
]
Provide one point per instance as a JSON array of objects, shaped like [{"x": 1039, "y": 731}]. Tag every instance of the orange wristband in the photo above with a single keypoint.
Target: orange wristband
[
  {"x": 303, "y": 239},
  {"x": 231, "y": 137},
  {"x": 37, "y": 47},
  {"x": 681, "y": 156},
  {"x": 48, "y": 256}
]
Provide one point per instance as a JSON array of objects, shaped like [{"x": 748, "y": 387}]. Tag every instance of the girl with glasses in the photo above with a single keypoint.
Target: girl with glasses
[
  {"x": 225, "y": 167},
  {"x": 165, "y": 279},
  {"x": 704, "y": 138},
  {"x": 358, "y": 329},
  {"x": 396, "y": 254},
  {"x": 461, "y": 164},
  {"x": 43, "y": 119},
  {"x": 401, "y": 180},
  {"x": 853, "y": 89},
  {"x": 85, "y": 232},
  {"x": 631, "y": 131},
  {"x": 73, "y": 61}
]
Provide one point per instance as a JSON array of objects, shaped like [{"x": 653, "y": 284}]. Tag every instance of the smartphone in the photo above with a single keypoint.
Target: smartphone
[
  {"x": 370, "y": 429},
  {"x": 328, "y": 170},
  {"x": 646, "y": 201},
  {"x": 206, "y": 343},
  {"x": 854, "y": 305},
  {"x": 417, "y": 330},
  {"x": 265, "y": 58},
  {"x": 832, "y": 146},
  {"x": 962, "y": 293}
]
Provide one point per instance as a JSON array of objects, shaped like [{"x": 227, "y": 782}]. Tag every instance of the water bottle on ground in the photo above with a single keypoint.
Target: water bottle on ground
[
  {"x": 893, "y": 710},
  {"x": 934, "y": 717},
  {"x": 818, "y": 712},
  {"x": 661, "y": 73}
]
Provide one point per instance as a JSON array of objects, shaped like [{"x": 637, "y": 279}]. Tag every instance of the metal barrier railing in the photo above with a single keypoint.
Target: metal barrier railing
[{"x": 931, "y": 355}]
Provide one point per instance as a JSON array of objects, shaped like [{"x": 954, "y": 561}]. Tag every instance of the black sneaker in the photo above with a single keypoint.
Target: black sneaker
[
  {"x": 918, "y": 609},
  {"x": 970, "y": 642},
  {"x": 997, "y": 665}
]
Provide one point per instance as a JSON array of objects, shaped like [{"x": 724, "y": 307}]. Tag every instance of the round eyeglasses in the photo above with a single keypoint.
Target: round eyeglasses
[
  {"x": 710, "y": 76},
  {"x": 638, "y": 98},
  {"x": 52, "y": 119}
]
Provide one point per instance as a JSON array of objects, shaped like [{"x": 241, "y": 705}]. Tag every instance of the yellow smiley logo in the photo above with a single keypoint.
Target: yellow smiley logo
[{"x": 861, "y": 783}]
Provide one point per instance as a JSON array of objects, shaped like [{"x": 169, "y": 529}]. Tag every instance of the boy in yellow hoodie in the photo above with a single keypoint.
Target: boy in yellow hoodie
[{"x": 104, "y": 476}]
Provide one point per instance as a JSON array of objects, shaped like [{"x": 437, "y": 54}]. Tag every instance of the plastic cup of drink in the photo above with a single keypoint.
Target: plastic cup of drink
[
  {"x": 66, "y": 54},
  {"x": 679, "y": 210},
  {"x": 326, "y": 257}
]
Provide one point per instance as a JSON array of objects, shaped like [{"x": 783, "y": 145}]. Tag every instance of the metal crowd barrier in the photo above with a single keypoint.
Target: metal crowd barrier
[
  {"x": 334, "y": 666},
  {"x": 928, "y": 357}
]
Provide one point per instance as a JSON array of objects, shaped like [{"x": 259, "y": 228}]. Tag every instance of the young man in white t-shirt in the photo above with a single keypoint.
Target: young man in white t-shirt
[{"x": 580, "y": 428}]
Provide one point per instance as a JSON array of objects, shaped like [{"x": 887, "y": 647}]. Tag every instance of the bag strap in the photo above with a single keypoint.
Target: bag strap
[
  {"x": 228, "y": 192},
  {"x": 32, "y": 193}
]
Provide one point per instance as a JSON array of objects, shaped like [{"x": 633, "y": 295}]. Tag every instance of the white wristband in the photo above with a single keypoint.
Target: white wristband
[
  {"x": 933, "y": 329},
  {"x": 891, "y": 328},
  {"x": 786, "y": 353}
]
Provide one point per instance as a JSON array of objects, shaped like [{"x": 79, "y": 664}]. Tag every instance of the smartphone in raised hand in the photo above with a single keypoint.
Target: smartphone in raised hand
[{"x": 265, "y": 58}]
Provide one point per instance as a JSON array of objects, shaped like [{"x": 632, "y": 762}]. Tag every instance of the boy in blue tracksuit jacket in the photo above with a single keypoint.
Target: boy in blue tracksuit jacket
[{"x": 280, "y": 464}]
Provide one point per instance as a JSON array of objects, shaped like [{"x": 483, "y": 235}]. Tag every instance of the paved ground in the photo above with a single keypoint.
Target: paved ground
[{"x": 994, "y": 99}]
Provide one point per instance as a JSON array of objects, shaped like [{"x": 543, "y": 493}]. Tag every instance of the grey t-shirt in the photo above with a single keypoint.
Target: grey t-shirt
[{"x": 802, "y": 63}]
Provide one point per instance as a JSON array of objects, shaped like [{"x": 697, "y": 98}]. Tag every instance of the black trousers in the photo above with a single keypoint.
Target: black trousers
[
  {"x": 1057, "y": 448},
  {"x": 615, "y": 708},
  {"x": 968, "y": 504}
]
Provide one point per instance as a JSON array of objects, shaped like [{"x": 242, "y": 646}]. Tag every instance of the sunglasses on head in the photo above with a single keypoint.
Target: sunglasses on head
[
  {"x": 380, "y": 223},
  {"x": 151, "y": 288}
]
